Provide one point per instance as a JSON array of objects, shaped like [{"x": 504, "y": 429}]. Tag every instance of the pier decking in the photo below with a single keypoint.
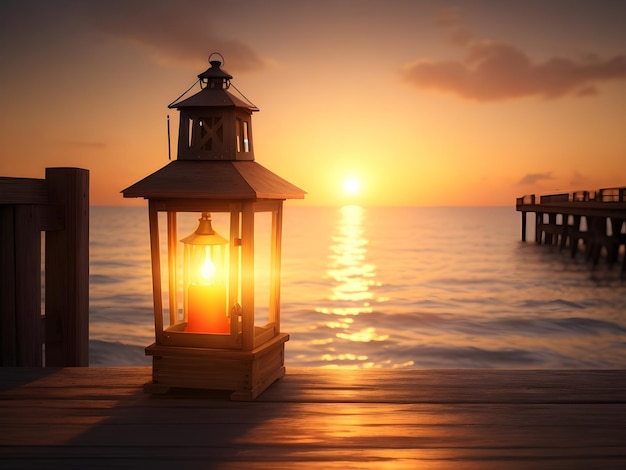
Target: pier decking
[
  {"x": 317, "y": 418},
  {"x": 593, "y": 220}
]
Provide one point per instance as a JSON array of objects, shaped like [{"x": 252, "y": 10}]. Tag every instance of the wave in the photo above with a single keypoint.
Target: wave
[
  {"x": 113, "y": 353},
  {"x": 454, "y": 287}
]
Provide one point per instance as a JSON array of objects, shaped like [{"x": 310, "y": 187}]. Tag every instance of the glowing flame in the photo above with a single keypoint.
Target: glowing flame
[{"x": 207, "y": 270}]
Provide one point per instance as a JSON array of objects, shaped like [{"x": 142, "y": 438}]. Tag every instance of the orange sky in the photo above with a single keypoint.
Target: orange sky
[{"x": 425, "y": 102}]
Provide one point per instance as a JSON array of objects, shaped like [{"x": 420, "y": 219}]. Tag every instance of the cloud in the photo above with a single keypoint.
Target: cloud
[
  {"x": 579, "y": 180},
  {"x": 450, "y": 20},
  {"x": 174, "y": 34},
  {"x": 493, "y": 71},
  {"x": 534, "y": 178}
]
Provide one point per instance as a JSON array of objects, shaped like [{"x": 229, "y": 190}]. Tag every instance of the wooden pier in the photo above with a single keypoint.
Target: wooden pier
[
  {"x": 592, "y": 220},
  {"x": 77, "y": 418}
]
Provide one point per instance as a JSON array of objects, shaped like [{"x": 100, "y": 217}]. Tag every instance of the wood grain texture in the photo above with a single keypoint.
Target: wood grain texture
[
  {"x": 221, "y": 180},
  {"x": 317, "y": 418},
  {"x": 67, "y": 270},
  {"x": 23, "y": 191}
]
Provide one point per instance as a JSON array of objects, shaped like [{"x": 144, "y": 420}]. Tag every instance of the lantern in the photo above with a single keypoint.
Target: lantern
[{"x": 209, "y": 285}]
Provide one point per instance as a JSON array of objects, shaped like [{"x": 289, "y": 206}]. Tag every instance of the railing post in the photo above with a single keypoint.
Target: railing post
[
  {"x": 8, "y": 343},
  {"x": 20, "y": 276},
  {"x": 67, "y": 270},
  {"x": 28, "y": 285}
]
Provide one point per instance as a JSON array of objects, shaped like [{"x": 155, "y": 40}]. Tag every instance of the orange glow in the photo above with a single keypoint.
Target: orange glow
[
  {"x": 364, "y": 336},
  {"x": 208, "y": 271},
  {"x": 353, "y": 278},
  {"x": 207, "y": 309},
  {"x": 330, "y": 107},
  {"x": 352, "y": 275},
  {"x": 206, "y": 300},
  {"x": 206, "y": 305}
]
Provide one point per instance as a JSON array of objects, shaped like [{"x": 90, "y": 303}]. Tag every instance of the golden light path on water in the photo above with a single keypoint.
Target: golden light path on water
[{"x": 351, "y": 294}]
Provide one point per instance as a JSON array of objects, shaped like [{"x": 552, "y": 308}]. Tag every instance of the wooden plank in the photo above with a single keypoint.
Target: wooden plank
[
  {"x": 23, "y": 191},
  {"x": 20, "y": 276},
  {"x": 481, "y": 419},
  {"x": 320, "y": 431},
  {"x": 155, "y": 256},
  {"x": 166, "y": 457},
  {"x": 376, "y": 386},
  {"x": 8, "y": 345},
  {"x": 28, "y": 329},
  {"x": 67, "y": 270}
]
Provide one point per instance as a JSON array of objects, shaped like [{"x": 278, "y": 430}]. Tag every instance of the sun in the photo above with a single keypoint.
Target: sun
[{"x": 351, "y": 186}]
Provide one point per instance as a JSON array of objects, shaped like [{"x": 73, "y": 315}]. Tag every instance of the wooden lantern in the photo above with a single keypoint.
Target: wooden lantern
[{"x": 206, "y": 335}]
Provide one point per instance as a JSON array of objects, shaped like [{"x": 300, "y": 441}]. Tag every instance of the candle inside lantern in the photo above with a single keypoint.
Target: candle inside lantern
[
  {"x": 206, "y": 293},
  {"x": 207, "y": 309}
]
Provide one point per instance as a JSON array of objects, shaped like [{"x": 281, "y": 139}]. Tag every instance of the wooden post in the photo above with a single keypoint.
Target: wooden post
[
  {"x": 155, "y": 250},
  {"x": 575, "y": 235},
  {"x": 8, "y": 346},
  {"x": 524, "y": 226},
  {"x": 614, "y": 239},
  {"x": 539, "y": 228},
  {"x": 28, "y": 286},
  {"x": 275, "y": 259},
  {"x": 247, "y": 275},
  {"x": 67, "y": 270},
  {"x": 549, "y": 233},
  {"x": 20, "y": 280},
  {"x": 22, "y": 217}
]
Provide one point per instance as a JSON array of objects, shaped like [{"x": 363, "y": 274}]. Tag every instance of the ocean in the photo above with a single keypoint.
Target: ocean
[{"x": 390, "y": 287}]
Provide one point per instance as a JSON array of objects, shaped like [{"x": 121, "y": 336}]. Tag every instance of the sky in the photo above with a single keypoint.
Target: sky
[{"x": 418, "y": 103}]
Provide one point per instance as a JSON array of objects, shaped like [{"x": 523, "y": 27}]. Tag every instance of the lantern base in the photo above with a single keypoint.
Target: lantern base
[{"x": 246, "y": 373}]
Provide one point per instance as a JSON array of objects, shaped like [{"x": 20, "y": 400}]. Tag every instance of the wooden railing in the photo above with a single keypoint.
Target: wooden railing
[
  {"x": 59, "y": 206},
  {"x": 617, "y": 194}
]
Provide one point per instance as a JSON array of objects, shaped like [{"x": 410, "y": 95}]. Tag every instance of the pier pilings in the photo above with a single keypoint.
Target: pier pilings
[{"x": 593, "y": 222}]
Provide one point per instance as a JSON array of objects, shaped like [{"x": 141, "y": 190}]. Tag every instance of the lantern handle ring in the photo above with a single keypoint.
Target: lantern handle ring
[{"x": 217, "y": 54}]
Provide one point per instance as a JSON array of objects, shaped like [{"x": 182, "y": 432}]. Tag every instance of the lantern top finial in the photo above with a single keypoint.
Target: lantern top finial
[{"x": 214, "y": 76}]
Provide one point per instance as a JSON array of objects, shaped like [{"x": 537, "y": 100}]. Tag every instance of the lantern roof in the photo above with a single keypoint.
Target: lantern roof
[
  {"x": 215, "y": 83},
  {"x": 239, "y": 180},
  {"x": 213, "y": 98}
]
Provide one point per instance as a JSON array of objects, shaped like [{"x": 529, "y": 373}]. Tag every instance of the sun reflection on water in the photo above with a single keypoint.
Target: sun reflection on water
[{"x": 353, "y": 278}]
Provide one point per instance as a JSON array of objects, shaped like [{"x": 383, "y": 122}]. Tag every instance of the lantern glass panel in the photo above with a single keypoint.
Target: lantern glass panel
[
  {"x": 262, "y": 265},
  {"x": 223, "y": 294},
  {"x": 205, "y": 280}
]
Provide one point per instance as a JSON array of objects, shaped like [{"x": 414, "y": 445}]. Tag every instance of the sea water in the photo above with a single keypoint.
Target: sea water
[{"x": 412, "y": 287}]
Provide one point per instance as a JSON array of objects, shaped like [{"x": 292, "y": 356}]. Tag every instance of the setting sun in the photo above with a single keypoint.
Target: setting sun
[{"x": 351, "y": 186}]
